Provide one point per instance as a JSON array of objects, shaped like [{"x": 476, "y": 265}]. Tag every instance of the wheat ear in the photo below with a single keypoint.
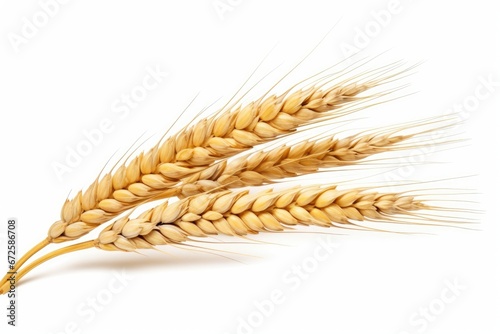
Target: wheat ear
[
  {"x": 305, "y": 157},
  {"x": 240, "y": 213}
]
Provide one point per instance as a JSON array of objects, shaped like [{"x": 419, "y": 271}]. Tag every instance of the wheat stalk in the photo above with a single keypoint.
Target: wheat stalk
[
  {"x": 198, "y": 165},
  {"x": 156, "y": 173},
  {"x": 240, "y": 213}
]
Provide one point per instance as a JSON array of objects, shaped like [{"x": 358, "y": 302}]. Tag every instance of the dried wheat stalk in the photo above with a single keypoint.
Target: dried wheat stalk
[
  {"x": 156, "y": 173},
  {"x": 193, "y": 165}
]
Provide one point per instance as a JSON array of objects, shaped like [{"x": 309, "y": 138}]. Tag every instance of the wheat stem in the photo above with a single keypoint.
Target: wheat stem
[
  {"x": 68, "y": 249},
  {"x": 25, "y": 258}
]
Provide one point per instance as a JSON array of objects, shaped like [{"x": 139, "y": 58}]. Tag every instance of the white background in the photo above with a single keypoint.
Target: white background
[{"x": 64, "y": 80}]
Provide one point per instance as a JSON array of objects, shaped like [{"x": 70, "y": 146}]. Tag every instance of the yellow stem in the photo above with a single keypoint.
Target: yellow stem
[
  {"x": 68, "y": 249},
  {"x": 25, "y": 258}
]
